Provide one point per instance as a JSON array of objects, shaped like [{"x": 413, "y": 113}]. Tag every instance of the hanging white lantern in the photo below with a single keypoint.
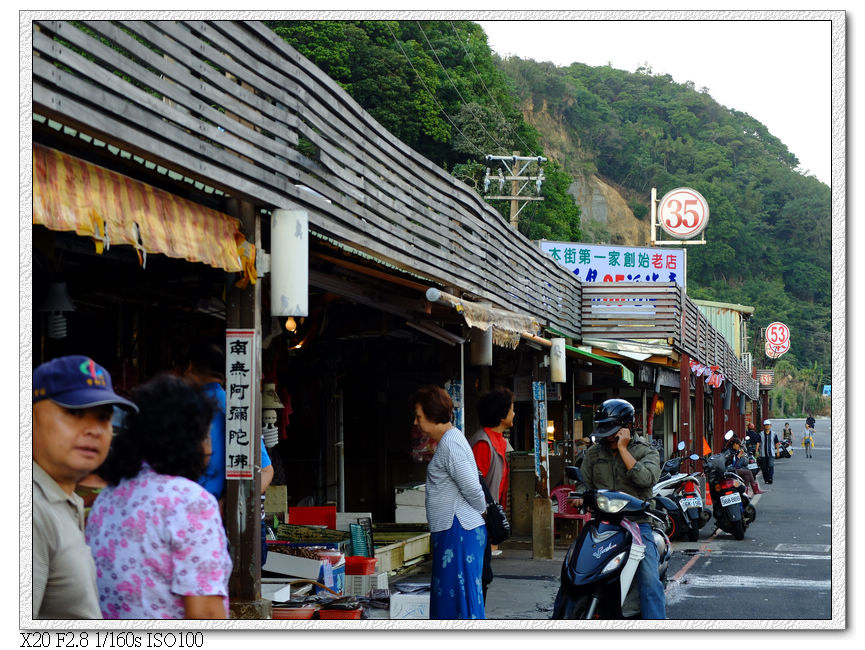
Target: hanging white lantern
[
  {"x": 482, "y": 346},
  {"x": 289, "y": 262},
  {"x": 557, "y": 361}
]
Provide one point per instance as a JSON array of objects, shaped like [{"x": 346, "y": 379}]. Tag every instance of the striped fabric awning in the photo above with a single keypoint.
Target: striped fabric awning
[{"x": 70, "y": 194}]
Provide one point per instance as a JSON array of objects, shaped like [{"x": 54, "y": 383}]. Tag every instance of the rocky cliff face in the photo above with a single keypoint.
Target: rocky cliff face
[
  {"x": 606, "y": 216},
  {"x": 604, "y": 211}
]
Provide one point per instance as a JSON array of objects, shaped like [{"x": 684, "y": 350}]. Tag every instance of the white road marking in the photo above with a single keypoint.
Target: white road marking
[
  {"x": 795, "y": 548},
  {"x": 715, "y": 552},
  {"x": 756, "y": 582}
]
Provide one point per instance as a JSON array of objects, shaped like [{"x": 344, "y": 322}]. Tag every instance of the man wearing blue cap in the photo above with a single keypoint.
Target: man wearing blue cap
[{"x": 73, "y": 403}]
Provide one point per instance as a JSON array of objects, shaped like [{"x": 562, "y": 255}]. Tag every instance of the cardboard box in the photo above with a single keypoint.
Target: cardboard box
[
  {"x": 361, "y": 585},
  {"x": 410, "y": 495},
  {"x": 409, "y": 606},
  {"x": 278, "y": 592},
  {"x": 289, "y": 565},
  {"x": 276, "y": 500},
  {"x": 410, "y": 515},
  {"x": 343, "y": 519}
]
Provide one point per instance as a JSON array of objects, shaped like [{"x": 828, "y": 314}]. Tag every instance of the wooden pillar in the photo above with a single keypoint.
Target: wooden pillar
[
  {"x": 685, "y": 400},
  {"x": 764, "y": 408},
  {"x": 242, "y": 497},
  {"x": 717, "y": 421},
  {"x": 699, "y": 432}
]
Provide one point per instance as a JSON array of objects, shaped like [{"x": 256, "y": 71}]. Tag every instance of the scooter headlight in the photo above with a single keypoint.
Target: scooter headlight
[
  {"x": 614, "y": 564},
  {"x": 611, "y": 505}
]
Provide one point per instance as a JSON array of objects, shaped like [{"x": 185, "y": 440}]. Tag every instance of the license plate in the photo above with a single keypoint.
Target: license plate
[
  {"x": 752, "y": 465},
  {"x": 691, "y": 502},
  {"x": 730, "y": 499}
]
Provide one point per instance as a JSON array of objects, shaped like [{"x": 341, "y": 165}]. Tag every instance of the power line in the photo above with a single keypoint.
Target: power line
[
  {"x": 489, "y": 94},
  {"x": 481, "y": 153},
  {"x": 459, "y": 94}
]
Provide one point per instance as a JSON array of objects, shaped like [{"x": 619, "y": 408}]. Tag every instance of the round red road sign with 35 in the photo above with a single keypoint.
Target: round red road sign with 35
[{"x": 683, "y": 213}]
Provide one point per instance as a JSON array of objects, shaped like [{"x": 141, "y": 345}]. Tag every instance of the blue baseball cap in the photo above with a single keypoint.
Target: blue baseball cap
[{"x": 76, "y": 382}]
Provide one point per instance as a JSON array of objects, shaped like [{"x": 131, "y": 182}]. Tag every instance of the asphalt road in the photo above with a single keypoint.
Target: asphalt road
[{"x": 782, "y": 569}]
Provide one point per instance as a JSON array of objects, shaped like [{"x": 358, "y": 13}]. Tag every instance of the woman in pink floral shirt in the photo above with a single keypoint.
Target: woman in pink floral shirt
[{"x": 156, "y": 535}]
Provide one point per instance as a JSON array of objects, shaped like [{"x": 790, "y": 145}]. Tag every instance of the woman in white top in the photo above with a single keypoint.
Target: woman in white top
[{"x": 454, "y": 505}]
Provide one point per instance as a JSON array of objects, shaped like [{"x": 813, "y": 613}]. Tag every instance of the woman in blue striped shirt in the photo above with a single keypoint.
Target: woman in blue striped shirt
[{"x": 454, "y": 506}]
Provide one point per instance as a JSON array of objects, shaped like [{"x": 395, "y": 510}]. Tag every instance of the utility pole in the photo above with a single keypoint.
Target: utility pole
[{"x": 516, "y": 174}]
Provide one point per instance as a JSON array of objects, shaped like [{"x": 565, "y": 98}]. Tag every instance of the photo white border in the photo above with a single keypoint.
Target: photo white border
[{"x": 839, "y": 246}]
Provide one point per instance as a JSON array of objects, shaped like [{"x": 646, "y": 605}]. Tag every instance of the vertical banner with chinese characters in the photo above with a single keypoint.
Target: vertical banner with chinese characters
[
  {"x": 454, "y": 389},
  {"x": 240, "y": 377},
  {"x": 539, "y": 420},
  {"x": 603, "y": 263}
]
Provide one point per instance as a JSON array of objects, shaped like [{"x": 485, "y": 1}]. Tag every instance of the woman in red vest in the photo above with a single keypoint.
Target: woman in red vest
[{"x": 496, "y": 413}]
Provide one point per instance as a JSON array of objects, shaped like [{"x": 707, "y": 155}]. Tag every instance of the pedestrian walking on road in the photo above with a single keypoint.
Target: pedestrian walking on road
[
  {"x": 455, "y": 505},
  {"x": 808, "y": 441},
  {"x": 788, "y": 432},
  {"x": 766, "y": 448}
]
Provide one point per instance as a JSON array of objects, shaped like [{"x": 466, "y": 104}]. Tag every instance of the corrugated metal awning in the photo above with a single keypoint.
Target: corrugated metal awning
[
  {"x": 627, "y": 373},
  {"x": 70, "y": 194}
]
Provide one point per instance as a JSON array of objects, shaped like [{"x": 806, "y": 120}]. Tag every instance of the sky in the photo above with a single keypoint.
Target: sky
[{"x": 777, "y": 71}]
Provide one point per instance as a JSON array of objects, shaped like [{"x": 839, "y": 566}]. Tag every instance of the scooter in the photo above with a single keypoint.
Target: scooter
[
  {"x": 598, "y": 574},
  {"x": 687, "y": 514},
  {"x": 730, "y": 503},
  {"x": 785, "y": 449}
]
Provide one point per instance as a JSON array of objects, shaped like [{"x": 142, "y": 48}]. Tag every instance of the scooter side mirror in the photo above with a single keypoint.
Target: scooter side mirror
[
  {"x": 694, "y": 457},
  {"x": 681, "y": 445},
  {"x": 728, "y": 435},
  {"x": 574, "y": 473}
]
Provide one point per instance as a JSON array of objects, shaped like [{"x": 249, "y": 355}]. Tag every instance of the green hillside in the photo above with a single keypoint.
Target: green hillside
[{"x": 437, "y": 86}]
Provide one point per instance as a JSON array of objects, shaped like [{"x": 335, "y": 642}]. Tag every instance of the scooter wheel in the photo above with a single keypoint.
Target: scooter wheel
[
  {"x": 738, "y": 530},
  {"x": 694, "y": 532},
  {"x": 671, "y": 529},
  {"x": 566, "y": 609}
]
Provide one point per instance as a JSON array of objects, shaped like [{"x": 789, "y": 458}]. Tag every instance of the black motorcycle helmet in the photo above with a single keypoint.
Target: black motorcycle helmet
[{"x": 611, "y": 416}]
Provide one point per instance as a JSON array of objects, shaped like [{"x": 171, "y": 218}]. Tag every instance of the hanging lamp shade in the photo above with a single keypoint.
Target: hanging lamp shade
[
  {"x": 55, "y": 303},
  {"x": 57, "y": 299},
  {"x": 481, "y": 346},
  {"x": 289, "y": 262},
  {"x": 269, "y": 398},
  {"x": 557, "y": 361}
]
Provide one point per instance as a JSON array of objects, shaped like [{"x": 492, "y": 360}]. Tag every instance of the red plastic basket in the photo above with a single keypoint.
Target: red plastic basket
[
  {"x": 356, "y": 565},
  {"x": 331, "y": 614}
]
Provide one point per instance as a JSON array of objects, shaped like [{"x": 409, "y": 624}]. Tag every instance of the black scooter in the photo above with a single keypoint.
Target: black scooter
[
  {"x": 599, "y": 571},
  {"x": 785, "y": 449},
  {"x": 730, "y": 503}
]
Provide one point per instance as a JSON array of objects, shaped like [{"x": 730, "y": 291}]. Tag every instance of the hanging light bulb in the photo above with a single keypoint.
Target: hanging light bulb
[
  {"x": 291, "y": 324},
  {"x": 57, "y": 301}
]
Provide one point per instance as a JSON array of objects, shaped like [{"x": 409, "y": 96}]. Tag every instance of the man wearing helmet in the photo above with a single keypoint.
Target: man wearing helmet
[{"x": 631, "y": 465}]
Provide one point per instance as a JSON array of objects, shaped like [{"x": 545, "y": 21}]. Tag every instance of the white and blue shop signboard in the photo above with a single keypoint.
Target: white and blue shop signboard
[{"x": 605, "y": 263}]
